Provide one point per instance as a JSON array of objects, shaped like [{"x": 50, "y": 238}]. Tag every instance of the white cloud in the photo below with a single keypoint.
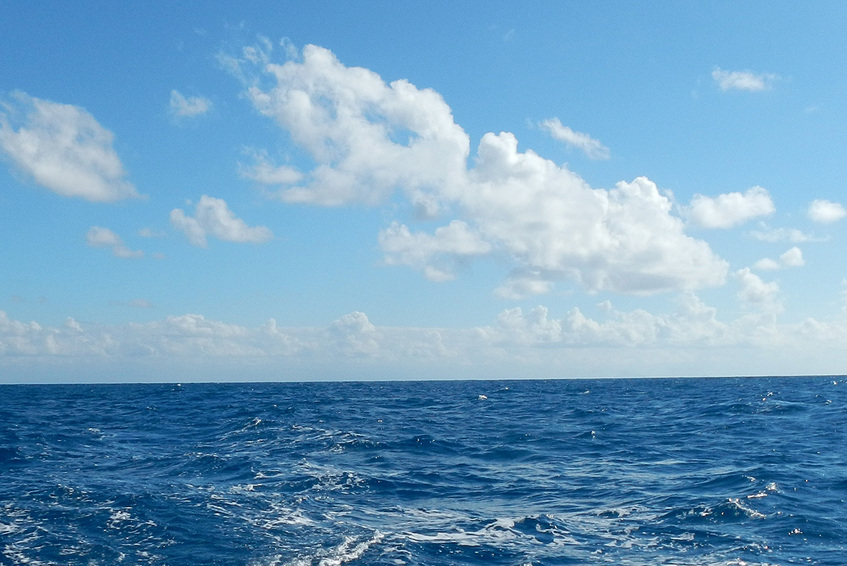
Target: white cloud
[
  {"x": 187, "y": 107},
  {"x": 791, "y": 258},
  {"x": 743, "y": 80},
  {"x": 261, "y": 52},
  {"x": 692, "y": 323},
  {"x": 755, "y": 293},
  {"x": 418, "y": 250},
  {"x": 774, "y": 235},
  {"x": 534, "y": 327},
  {"x": 369, "y": 139},
  {"x": 213, "y": 217},
  {"x": 98, "y": 237},
  {"x": 689, "y": 340},
  {"x": 265, "y": 172},
  {"x": 18, "y": 338},
  {"x": 766, "y": 264},
  {"x": 205, "y": 340},
  {"x": 521, "y": 285},
  {"x": 151, "y": 233},
  {"x": 729, "y": 209},
  {"x": 554, "y": 226},
  {"x": 755, "y": 343},
  {"x": 592, "y": 148},
  {"x": 826, "y": 212},
  {"x": 63, "y": 148},
  {"x": 354, "y": 335},
  {"x": 552, "y": 222}
]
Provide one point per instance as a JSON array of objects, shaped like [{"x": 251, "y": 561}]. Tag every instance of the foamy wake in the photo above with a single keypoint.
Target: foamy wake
[{"x": 348, "y": 551}]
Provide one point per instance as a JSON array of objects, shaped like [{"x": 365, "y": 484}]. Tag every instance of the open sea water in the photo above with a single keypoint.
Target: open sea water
[{"x": 630, "y": 472}]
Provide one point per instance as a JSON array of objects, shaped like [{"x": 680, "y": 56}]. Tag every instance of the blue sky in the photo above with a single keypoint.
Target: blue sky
[{"x": 421, "y": 190}]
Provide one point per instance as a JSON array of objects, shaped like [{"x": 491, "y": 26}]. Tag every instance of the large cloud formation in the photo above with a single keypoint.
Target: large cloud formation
[
  {"x": 369, "y": 139},
  {"x": 519, "y": 342},
  {"x": 63, "y": 148}
]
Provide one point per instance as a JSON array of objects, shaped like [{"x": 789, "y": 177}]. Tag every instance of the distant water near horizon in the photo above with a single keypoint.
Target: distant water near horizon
[{"x": 717, "y": 471}]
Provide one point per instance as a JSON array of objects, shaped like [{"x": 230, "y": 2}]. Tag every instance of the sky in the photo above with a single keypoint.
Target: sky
[{"x": 421, "y": 190}]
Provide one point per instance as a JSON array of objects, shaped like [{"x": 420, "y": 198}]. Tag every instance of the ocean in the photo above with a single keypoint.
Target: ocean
[{"x": 719, "y": 471}]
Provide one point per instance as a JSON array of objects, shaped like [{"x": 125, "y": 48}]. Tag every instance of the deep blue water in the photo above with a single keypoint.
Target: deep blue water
[{"x": 629, "y": 472}]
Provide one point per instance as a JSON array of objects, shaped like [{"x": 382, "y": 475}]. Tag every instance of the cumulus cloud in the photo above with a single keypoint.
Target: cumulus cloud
[
  {"x": 456, "y": 240},
  {"x": 729, "y": 209},
  {"x": 370, "y": 139},
  {"x": 556, "y": 227},
  {"x": 197, "y": 337},
  {"x": 552, "y": 223},
  {"x": 354, "y": 335},
  {"x": 213, "y": 217},
  {"x": 826, "y": 212},
  {"x": 98, "y": 237},
  {"x": 756, "y": 293},
  {"x": 766, "y": 264},
  {"x": 186, "y": 107},
  {"x": 690, "y": 339},
  {"x": 592, "y": 148},
  {"x": 693, "y": 322},
  {"x": 520, "y": 285},
  {"x": 791, "y": 258},
  {"x": 63, "y": 148},
  {"x": 16, "y": 337},
  {"x": 743, "y": 80},
  {"x": 692, "y": 332}
]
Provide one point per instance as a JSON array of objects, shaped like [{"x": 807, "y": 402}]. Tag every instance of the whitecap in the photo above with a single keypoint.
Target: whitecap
[
  {"x": 348, "y": 551},
  {"x": 752, "y": 513},
  {"x": 343, "y": 553}
]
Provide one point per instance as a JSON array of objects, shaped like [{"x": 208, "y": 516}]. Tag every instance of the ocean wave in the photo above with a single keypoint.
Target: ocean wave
[{"x": 628, "y": 472}]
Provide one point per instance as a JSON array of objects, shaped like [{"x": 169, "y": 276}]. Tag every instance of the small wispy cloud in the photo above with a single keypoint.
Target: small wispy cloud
[
  {"x": 743, "y": 80},
  {"x": 151, "y": 233},
  {"x": 265, "y": 172},
  {"x": 187, "y": 107},
  {"x": 767, "y": 234},
  {"x": 591, "y": 147},
  {"x": 98, "y": 237}
]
